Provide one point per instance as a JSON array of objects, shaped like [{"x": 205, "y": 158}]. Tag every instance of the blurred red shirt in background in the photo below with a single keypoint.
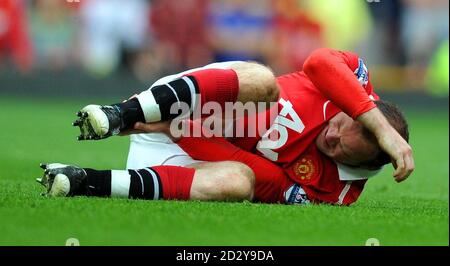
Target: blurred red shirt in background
[
  {"x": 14, "y": 35},
  {"x": 181, "y": 25}
]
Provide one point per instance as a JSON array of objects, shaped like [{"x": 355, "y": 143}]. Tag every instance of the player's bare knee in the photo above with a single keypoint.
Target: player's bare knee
[
  {"x": 240, "y": 182},
  {"x": 267, "y": 81},
  {"x": 224, "y": 181},
  {"x": 257, "y": 79}
]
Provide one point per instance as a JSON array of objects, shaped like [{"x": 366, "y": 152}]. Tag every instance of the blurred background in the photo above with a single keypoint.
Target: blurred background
[{"x": 93, "y": 47}]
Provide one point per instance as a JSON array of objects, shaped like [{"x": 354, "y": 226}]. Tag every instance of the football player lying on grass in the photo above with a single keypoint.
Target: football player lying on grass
[{"x": 332, "y": 134}]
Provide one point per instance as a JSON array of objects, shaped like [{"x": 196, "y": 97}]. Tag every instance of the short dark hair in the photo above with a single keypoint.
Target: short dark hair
[{"x": 398, "y": 121}]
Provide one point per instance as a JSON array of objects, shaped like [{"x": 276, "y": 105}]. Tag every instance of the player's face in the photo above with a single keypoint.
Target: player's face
[{"x": 343, "y": 141}]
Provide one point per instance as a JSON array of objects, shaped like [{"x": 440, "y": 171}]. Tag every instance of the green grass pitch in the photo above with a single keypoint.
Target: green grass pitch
[{"x": 411, "y": 213}]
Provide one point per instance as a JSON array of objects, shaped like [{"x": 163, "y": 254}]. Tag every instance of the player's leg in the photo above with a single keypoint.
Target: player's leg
[
  {"x": 221, "y": 181},
  {"x": 215, "y": 82},
  {"x": 220, "y": 82}
]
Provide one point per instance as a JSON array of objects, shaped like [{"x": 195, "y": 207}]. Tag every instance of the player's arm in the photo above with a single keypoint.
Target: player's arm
[
  {"x": 330, "y": 72},
  {"x": 269, "y": 178},
  {"x": 217, "y": 149}
]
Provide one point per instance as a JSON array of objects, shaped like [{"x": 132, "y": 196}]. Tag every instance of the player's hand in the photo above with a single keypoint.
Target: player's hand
[
  {"x": 140, "y": 127},
  {"x": 157, "y": 127},
  {"x": 134, "y": 130},
  {"x": 399, "y": 151}
]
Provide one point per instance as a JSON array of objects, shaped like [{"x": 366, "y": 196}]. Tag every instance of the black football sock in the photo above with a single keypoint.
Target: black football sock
[
  {"x": 98, "y": 183},
  {"x": 133, "y": 184},
  {"x": 188, "y": 93},
  {"x": 131, "y": 113},
  {"x": 145, "y": 184},
  {"x": 181, "y": 90}
]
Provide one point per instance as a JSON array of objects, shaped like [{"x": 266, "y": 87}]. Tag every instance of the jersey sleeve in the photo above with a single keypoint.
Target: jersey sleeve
[
  {"x": 343, "y": 78},
  {"x": 362, "y": 73}
]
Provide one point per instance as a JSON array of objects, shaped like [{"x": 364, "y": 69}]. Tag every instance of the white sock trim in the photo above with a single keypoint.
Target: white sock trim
[
  {"x": 120, "y": 183},
  {"x": 193, "y": 94},
  {"x": 149, "y": 106},
  {"x": 142, "y": 181}
]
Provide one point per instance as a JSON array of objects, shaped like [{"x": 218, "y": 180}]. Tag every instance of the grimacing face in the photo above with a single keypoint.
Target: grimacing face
[{"x": 343, "y": 141}]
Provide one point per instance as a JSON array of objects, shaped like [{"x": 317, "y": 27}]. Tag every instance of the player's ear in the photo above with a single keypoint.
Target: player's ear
[{"x": 372, "y": 165}]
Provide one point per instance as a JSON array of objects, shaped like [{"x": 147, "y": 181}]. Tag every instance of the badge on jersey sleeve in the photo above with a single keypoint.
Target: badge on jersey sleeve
[
  {"x": 362, "y": 73},
  {"x": 295, "y": 195}
]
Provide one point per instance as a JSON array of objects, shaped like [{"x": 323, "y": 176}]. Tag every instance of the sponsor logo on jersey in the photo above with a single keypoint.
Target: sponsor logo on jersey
[
  {"x": 286, "y": 119},
  {"x": 304, "y": 168},
  {"x": 362, "y": 74},
  {"x": 296, "y": 195}
]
